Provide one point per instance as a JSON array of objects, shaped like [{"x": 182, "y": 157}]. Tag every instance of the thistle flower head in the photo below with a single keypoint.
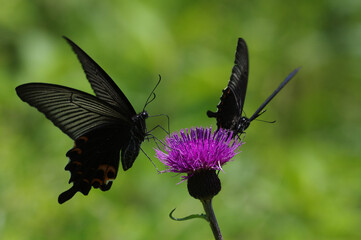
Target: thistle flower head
[
  {"x": 199, "y": 153},
  {"x": 198, "y": 149}
]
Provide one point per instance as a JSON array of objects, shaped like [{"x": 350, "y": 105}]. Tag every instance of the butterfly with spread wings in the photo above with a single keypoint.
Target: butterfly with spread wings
[
  {"x": 102, "y": 126},
  {"x": 230, "y": 108}
]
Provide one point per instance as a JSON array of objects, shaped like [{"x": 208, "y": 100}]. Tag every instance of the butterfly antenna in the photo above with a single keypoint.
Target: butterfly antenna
[
  {"x": 261, "y": 112},
  {"x": 244, "y": 113},
  {"x": 150, "y": 99},
  {"x": 260, "y": 120},
  {"x": 265, "y": 121},
  {"x": 288, "y": 78},
  {"x": 152, "y": 95}
]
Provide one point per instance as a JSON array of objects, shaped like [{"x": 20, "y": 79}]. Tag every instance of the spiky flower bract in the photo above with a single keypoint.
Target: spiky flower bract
[{"x": 199, "y": 152}]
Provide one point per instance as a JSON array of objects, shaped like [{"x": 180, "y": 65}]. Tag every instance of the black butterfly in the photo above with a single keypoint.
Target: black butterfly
[
  {"x": 102, "y": 126},
  {"x": 229, "y": 113}
]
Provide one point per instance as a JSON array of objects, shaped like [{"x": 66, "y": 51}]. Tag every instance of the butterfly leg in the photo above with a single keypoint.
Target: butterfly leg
[
  {"x": 150, "y": 160},
  {"x": 156, "y": 140},
  {"x": 211, "y": 114},
  {"x": 240, "y": 135},
  {"x": 168, "y": 127},
  {"x": 158, "y": 126}
]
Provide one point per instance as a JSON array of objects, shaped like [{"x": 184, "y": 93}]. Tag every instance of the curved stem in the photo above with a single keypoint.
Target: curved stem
[
  {"x": 207, "y": 205},
  {"x": 203, "y": 216}
]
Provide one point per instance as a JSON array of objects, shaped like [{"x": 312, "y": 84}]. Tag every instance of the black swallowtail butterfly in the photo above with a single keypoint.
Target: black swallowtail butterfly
[
  {"x": 229, "y": 113},
  {"x": 102, "y": 126}
]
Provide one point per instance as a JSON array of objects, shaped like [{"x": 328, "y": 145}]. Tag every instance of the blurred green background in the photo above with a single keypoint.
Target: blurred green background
[{"x": 299, "y": 178}]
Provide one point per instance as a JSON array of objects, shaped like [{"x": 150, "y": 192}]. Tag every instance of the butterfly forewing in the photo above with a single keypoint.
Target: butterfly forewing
[
  {"x": 239, "y": 77},
  {"x": 230, "y": 108},
  {"x": 73, "y": 111},
  {"x": 102, "y": 85}
]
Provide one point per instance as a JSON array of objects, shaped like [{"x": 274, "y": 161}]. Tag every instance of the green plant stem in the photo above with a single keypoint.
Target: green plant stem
[{"x": 207, "y": 205}]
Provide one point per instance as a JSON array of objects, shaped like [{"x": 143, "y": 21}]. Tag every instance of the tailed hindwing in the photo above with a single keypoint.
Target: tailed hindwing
[{"x": 93, "y": 161}]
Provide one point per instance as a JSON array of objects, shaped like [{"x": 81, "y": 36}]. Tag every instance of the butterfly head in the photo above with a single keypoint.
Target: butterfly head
[
  {"x": 143, "y": 115},
  {"x": 140, "y": 117},
  {"x": 243, "y": 124}
]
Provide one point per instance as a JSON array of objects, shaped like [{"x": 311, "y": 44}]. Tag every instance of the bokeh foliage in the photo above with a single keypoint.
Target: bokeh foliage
[{"x": 296, "y": 179}]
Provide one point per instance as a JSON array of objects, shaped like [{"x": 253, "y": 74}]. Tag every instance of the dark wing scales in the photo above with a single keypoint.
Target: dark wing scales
[
  {"x": 94, "y": 161},
  {"x": 232, "y": 100},
  {"x": 103, "y": 86},
  {"x": 239, "y": 77},
  {"x": 130, "y": 152},
  {"x": 226, "y": 117},
  {"x": 73, "y": 111}
]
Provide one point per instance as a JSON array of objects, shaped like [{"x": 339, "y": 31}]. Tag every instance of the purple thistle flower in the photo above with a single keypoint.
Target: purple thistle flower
[
  {"x": 198, "y": 149},
  {"x": 199, "y": 153}
]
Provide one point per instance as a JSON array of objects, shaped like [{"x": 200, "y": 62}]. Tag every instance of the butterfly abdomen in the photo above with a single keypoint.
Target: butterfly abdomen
[
  {"x": 131, "y": 147},
  {"x": 130, "y": 152}
]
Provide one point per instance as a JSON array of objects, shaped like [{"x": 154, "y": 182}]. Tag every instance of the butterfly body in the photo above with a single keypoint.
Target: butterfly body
[
  {"x": 238, "y": 125},
  {"x": 229, "y": 113},
  {"x": 137, "y": 135},
  {"x": 102, "y": 126}
]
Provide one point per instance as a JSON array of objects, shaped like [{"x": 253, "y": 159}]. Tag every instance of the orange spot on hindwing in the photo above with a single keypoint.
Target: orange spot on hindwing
[{"x": 93, "y": 162}]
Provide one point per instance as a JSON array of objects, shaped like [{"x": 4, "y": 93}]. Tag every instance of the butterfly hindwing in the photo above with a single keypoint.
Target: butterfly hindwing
[{"x": 94, "y": 161}]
